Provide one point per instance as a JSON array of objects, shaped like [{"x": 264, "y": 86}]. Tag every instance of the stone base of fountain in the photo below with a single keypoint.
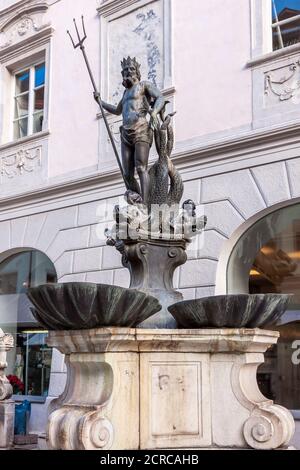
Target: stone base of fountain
[{"x": 165, "y": 389}]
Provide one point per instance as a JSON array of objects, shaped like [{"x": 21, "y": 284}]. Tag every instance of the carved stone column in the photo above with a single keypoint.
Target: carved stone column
[
  {"x": 158, "y": 389},
  {"x": 152, "y": 264},
  {"x": 99, "y": 408},
  {"x": 7, "y": 406}
]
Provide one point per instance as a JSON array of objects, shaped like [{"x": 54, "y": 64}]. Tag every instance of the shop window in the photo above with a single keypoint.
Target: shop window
[
  {"x": 285, "y": 23},
  {"x": 29, "y": 101},
  {"x": 267, "y": 259},
  {"x": 29, "y": 363},
  {"x": 33, "y": 362}
]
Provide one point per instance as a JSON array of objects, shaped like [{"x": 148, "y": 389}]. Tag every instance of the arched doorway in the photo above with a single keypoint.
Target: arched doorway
[
  {"x": 265, "y": 257},
  {"x": 29, "y": 363}
]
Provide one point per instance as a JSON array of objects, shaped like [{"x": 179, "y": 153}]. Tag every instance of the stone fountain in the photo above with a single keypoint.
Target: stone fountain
[
  {"x": 190, "y": 387},
  {"x": 144, "y": 369}
]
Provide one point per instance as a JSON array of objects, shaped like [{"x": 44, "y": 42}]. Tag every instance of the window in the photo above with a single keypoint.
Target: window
[
  {"x": 30, "y": 360},
  {"x": 267, "y": 259},
  {"x": 29, "y": 101},
  {"x": 285, "y": 23},
  {"x": 276, "y": 268}
]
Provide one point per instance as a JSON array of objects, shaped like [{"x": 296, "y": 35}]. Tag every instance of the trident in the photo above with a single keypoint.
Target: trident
[{"x": 97, "y": 94}]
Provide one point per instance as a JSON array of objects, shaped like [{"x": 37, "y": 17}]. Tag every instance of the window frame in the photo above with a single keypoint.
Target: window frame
[
  {"x": 31, "y": 99},
  {"x": 262, "y": 35},
  {"x": 277, "y": 25},
  {"x": 8, "y": 69},
  {"x": 33, "y": 398},
  {"x": 24, "y": 326},
  {"x": 261, "y": 31},
  {"x": 264, "y": 61}
]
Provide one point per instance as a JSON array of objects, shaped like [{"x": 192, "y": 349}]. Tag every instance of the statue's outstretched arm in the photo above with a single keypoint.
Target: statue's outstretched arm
[
  {"x": 117, "y": 110},
  {"x": 110, "y": 108}
]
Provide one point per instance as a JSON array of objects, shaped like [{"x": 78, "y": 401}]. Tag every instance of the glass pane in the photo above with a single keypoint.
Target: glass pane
[
  {"x": 15, "y": 274},
  {"x": 20, "y": 128},
  {"x": 22, "y": 82},
  {"x": 38, "y": 122},
  {"x": 283, "y": 9},
  {"x": 277, "y": 38},
  {"x": 39, "y": 99},
  {"x": 23, "y": 270},
  {"x": 21, "y": 105},
  {"x": 31, "y": 374},
  {"x": 39, "y": 75},
  {"x": 42, "y": 269},
  {"x": 289, "y": 34}
]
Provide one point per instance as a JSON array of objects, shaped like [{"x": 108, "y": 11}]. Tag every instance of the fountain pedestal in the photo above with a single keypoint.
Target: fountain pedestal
[
  {"x": 152, "y": 264},
  {"x": 158, "y": 389}
]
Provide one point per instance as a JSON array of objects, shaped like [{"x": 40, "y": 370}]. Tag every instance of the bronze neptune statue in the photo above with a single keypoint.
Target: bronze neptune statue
[
  {"x": 151, "y": 232},
  {"x": 140, "y": 98}
]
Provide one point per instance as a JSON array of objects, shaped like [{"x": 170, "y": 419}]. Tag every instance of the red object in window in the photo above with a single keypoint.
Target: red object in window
[{"x": 16, "y": 383}]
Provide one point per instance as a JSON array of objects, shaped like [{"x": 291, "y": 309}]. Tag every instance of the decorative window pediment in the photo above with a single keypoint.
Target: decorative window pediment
[
  {"x": 22, "y": 24},
  {"x": 25, "y": 44}
]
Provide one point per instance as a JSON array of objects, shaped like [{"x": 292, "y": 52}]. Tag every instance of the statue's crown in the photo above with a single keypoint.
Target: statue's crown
[{"x": 129, "y": 61}]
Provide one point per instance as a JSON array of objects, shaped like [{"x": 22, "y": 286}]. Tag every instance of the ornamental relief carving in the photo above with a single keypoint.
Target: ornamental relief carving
[
  {"x": 20, "y": 162},
  {"x": 24, "y": 23},
  {"x": 6, "y": 341},
  {"x": 282, "y": 84},
  {"x": 6, "y": 344}
]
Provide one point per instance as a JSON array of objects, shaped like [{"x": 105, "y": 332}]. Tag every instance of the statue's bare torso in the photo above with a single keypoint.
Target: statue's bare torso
[{"x": 135, "y": 105}]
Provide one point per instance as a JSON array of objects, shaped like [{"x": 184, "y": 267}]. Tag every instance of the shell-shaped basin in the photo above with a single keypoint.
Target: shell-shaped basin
[
  {"x": 82, "y": 305},
  {"x": 230, "y": 311}
]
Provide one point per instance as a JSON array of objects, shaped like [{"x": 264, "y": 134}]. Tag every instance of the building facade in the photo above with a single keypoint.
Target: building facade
[{"x": 231, "y": 70}]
